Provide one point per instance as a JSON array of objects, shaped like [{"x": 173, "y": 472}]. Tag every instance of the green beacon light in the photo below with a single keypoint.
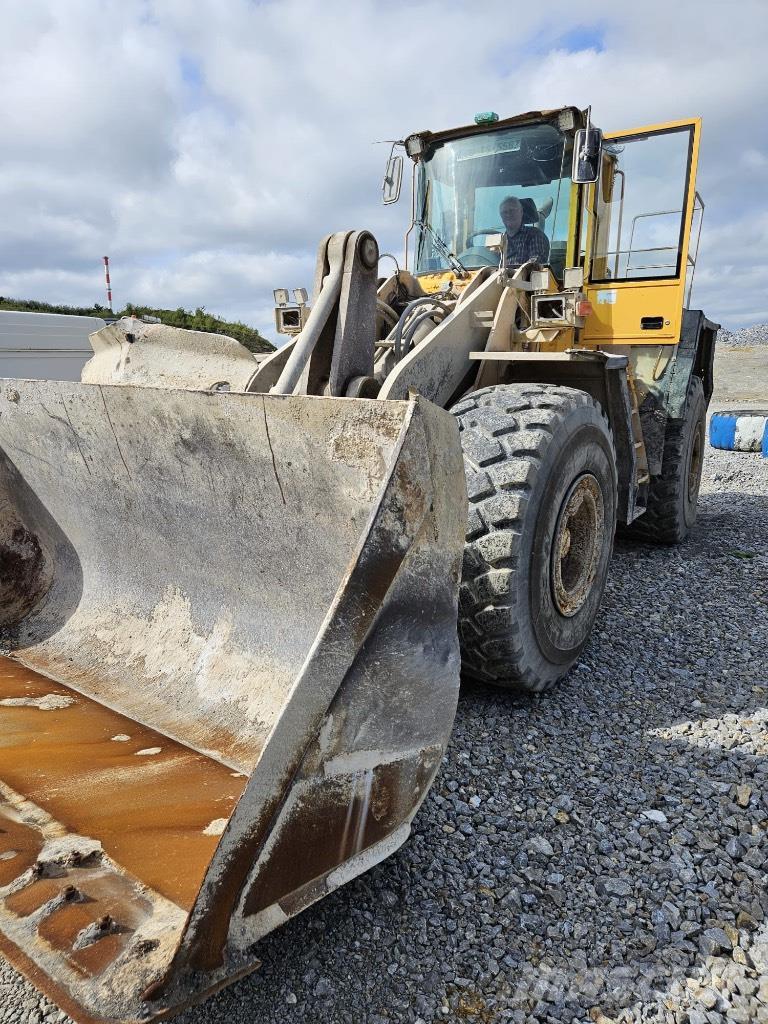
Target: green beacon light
[{"x": 486, "y": 117}]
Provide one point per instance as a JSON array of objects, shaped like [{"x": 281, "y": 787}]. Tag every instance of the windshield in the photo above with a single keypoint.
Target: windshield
[{"x": 514, "y": 181}]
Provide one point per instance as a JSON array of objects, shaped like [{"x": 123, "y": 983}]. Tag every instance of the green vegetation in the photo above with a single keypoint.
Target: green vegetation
[{"x": 200, "y": 320}]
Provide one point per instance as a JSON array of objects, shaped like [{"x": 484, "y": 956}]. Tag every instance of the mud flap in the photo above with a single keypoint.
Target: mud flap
[{"x": 230, "y": 671}]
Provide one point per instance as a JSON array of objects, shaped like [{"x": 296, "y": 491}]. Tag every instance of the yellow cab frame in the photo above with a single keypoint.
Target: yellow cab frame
[
  {"x": 646, "y": 318},
  {"x": 623, "y": 308}
]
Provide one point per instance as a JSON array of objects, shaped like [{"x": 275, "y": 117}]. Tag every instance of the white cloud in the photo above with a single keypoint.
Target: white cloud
[{"x": 207, "y": 148}]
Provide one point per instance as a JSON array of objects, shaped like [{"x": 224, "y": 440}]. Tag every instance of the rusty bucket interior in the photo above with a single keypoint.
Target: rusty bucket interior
[{"x": 229, "y": 671}]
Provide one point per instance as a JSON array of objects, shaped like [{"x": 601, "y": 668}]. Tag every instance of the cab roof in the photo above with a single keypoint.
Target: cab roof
[{"x": 572, "y": 116}]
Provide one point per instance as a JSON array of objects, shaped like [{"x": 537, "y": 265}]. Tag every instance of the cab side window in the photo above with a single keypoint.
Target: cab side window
[{"x": 641, "y": 206}]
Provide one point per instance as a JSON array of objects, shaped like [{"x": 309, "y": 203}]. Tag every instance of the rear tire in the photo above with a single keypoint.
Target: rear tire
[
  {"x": 673, "y": 495},
  {"x": 541, "y": 480}
]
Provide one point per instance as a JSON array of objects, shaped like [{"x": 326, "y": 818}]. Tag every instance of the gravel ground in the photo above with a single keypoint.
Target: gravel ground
[{"x": 591, "y": 855}]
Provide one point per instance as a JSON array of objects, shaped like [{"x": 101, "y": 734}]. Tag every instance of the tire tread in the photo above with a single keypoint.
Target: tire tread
[
  {"x": 522, "y": 421},
  {"x": 662, "y": 522}
]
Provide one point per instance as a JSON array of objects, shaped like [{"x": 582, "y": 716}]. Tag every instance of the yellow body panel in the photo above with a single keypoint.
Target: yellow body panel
[
  {"x": 433, "y": 283},
  {"x": 617, "y": 312}
]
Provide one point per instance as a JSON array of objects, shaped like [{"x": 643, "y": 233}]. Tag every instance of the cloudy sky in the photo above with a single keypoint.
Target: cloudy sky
[{"x": 208, "y": 146}]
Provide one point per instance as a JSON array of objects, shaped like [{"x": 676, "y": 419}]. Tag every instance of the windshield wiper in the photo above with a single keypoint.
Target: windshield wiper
[{"x": 454, "y": 262}]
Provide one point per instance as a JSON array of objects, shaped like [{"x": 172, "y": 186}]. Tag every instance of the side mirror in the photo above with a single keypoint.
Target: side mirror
[
  {"x": 393, "y": 179},
  {"x": 587, "y": 147}
]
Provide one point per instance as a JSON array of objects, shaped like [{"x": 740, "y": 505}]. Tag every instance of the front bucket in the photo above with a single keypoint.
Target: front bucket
[{"x": 231, "y": 669}]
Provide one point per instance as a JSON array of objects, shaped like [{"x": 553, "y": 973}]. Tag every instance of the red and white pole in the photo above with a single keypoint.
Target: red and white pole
[{"x": 109, "y": 283}]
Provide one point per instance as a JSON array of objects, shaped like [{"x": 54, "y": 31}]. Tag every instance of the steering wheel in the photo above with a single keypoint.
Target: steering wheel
[
  {"x": 484, "y": 231},
  {"x": 477, "y": 256}
]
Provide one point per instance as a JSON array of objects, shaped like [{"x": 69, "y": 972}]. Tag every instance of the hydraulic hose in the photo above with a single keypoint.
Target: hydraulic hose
[
  {"x": 410, "y": 331},
  {"x": 387, "y": 312},
  {"x": 421, "y": 301}
]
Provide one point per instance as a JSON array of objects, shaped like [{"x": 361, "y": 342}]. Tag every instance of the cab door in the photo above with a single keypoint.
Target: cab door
[{"x": 638, "y": 235}]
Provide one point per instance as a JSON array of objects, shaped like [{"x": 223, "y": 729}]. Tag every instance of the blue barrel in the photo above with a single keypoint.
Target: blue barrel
[{"x": 739, "y": 431}]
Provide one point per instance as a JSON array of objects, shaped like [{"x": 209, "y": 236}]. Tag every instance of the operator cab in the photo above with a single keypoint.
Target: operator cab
[{"x": 463, "y": 182}]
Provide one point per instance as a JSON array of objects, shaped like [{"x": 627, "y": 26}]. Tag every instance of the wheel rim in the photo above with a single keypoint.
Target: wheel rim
[
  {"x": 694, "y": 469},
  {"x": 577, "y": 545}
]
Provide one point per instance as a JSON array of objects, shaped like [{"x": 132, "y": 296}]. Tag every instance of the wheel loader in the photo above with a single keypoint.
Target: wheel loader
[{"x": 236, "y": 597}]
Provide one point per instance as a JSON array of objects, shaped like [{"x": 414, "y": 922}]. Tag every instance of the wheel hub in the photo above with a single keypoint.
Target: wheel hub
[{"x": 577, "y": 544}]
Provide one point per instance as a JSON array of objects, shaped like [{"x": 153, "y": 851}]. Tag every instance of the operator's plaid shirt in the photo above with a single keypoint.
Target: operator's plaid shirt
[{"x": 527, "y": 244}]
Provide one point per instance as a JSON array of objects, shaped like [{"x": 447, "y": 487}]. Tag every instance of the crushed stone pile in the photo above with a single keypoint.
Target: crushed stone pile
[{"x": 744, "y": 337}]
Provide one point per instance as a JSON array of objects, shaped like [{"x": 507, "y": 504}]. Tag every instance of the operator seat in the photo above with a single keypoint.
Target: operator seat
[{"x": 533, "y": 216}]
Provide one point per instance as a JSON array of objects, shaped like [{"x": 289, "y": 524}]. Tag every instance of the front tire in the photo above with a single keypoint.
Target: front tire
[{"x": 541, "y": 479}]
